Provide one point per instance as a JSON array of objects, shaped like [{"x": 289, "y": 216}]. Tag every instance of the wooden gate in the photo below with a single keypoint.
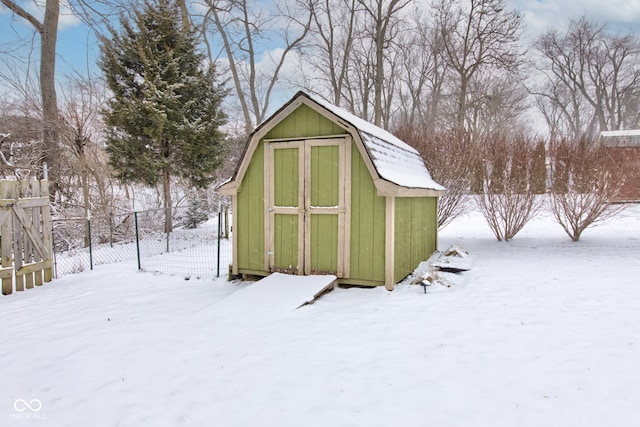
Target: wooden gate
[{"x": 25, "y": 234}]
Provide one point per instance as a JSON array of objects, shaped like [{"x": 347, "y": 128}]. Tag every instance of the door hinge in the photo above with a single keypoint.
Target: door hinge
[
  {"x": 269, "y": 253},
  {"x": 271, "y": 209}
]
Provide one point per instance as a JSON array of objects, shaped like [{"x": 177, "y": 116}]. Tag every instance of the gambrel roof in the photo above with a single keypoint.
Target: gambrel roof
[{"x": 396, "y": 168}]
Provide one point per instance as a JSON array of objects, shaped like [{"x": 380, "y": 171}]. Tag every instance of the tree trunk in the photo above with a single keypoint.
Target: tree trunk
[
  {"x": 462, "y": 104},
  {"x": 379, "y": 68},
  {"x": 184, "y": 14},
  {"x": 50, "y": 137},
  {"x": 48, "y": 30}
]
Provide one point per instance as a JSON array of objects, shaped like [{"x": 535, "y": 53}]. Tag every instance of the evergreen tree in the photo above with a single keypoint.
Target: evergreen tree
[
  {"x": 196, "y": 213},
  {"x": 165, "y": 114}
]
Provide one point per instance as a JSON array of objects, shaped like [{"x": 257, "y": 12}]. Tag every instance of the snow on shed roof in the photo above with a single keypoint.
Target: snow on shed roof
[
  {"x": 625, "y": 132},
  {"x": 394, "y": 160},
  {"x": 621, "y": 138}
]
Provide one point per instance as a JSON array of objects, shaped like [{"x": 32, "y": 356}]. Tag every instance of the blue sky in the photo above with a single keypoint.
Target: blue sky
[
  {"x": 77, "y": 48},
  {"x": 76, "y": 44}
]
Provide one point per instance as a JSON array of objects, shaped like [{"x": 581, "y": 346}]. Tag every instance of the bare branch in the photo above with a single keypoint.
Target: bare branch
[
  {"x": 508, "y": 199},
  {"x": 13, "y": 6},
  {"x": 586, "y": 178}
]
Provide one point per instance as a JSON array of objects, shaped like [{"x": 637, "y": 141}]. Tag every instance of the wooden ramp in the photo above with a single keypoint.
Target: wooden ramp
[{"x": 274, "y": 296}]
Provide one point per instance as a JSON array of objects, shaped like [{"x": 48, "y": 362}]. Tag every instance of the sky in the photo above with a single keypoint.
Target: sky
[
  {"x": 542, "y": 15},
  {"x": 77, "y": 48}
]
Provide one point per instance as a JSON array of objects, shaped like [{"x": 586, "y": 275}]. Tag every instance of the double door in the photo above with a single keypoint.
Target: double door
[{"x": 307, "y": 190}]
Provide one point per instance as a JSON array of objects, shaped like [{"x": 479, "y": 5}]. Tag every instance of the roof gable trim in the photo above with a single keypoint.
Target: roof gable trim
[{"x": 395, "y": 167}]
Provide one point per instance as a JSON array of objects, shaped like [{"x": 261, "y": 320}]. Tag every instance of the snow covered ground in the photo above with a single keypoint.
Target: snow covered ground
[{"x": 542, "y": 332}]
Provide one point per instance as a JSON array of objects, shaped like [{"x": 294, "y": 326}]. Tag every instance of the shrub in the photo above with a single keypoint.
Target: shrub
[
  {"x": 508, "y": 197},
  {"x": 585, "y": 179}
]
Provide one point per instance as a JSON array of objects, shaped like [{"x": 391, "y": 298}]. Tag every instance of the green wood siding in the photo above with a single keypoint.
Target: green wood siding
[
  {"x": 286, "y": 176},
  {"x": 324, "y": 244},
  {"x": 304, "y": 122},
  {"x": 250, "y": 221},
  {"x": 324, "y": 175},
  {"x": 286, "y": 243},
  {"x": 286, "y": 191},
  {"x": 324, "y": 192},
  {"x": 367, "y": 224},
  {"x": 415, "y": 233}
]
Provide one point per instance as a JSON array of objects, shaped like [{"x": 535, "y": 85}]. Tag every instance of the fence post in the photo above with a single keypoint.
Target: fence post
[
  {"x": 90, "y": 243},
  {"x": 135, "y": 218},
  {"x": 168, "y": 221},
  {"x": 54, "y": 253},
  {"x": 226, "y": 222},
  {"x": 6, "y": 241},
  {"x": 111, "y": 229}
]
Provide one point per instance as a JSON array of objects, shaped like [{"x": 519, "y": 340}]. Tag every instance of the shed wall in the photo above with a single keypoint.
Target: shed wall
[
  {"x": 304, "y": 122},
  {"x": 415, "y": 233},
  {"x": 250, "y": 215},
  {"x": 415, "y": 217},
  {"x": 367, "y": 224},
  {"x": 630, "y": 191}
]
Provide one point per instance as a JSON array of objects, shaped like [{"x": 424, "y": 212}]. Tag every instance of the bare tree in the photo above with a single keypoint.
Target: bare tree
[
  {"x": 246, "y": 28},
  {"x": 22, "y": 86},
  {"x": 355, "y": 52},
  {"x": 592, "y": 79},
  {"x": 496, "y": 104},
  {"x": 508, "y": 200},
  {"x": 48, "y": 32},
  {"x": 448, "y": 157},
  {"x": 586, "y": 178},
  {"x": 20, "y": 121},
  {"x": 20, "y": 140},
  {"x": 423, "y": 75},
  {"x": 330, "y": 45},
  {"x": 381, "y": 27},
  {"x": 83, "y": 156},
  {"x": 478, "y": 35}
]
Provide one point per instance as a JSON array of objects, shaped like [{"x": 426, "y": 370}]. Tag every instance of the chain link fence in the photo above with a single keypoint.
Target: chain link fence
[{"x": 197, "y": 245}]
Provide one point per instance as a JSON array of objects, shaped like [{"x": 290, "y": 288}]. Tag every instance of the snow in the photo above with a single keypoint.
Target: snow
[
  {"x": 626, "y": 132},
  {"x": 541, "y": 331},
  {"x": 398, "y": 166},
  {"x": 395, "y": 160},
  {"x": 365, "y": 126},
  {"x": 274, "y": 297}
]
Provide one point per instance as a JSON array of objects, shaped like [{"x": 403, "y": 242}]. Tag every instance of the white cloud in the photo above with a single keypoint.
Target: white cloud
[{"x": 543, "y": 15}]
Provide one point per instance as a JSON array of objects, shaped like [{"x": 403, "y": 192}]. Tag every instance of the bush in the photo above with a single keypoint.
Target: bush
[
  {"x": 508, "y": 192},
  {"x": 585, "y": 179},
  {"x": 449, "y": 159}
]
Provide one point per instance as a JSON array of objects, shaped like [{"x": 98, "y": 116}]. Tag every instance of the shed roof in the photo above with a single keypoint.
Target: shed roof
[
  {"x": 393, "y": 160},
  {"x": 621, "y": 138}
]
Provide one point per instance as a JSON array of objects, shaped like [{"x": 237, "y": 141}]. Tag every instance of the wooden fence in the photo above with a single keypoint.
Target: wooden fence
[{"x": 25, "y": 234}]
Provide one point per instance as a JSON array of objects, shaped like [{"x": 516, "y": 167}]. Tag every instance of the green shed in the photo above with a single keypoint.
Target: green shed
[{"x": 321, "y": 191}]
